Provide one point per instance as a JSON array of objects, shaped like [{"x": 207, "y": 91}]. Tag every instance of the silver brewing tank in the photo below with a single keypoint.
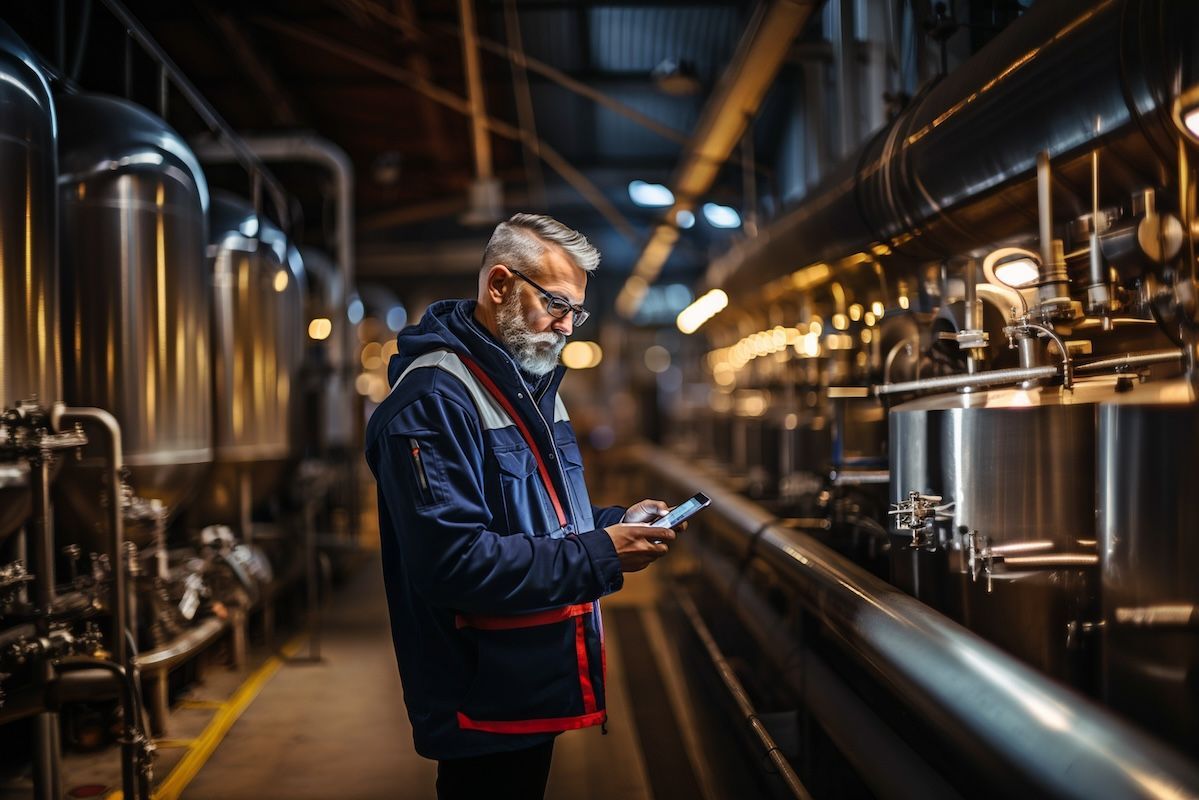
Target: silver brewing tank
[
  {"x": 1148, "y": 450},
  {"x": 136, "y": 295},
  {"x": 30, "y": 364},
  {"x": 258, "y": 334},
  {"x": 1016, "y": 468}
]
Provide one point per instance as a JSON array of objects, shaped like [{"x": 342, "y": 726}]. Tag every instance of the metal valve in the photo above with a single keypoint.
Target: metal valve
[
  {"x": 980, "y": 560},
  {"x": 972, "y": 339},
  {"x": 917, "y": 514}
]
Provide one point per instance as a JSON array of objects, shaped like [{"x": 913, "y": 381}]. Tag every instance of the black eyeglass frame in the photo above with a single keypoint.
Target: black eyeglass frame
[{"x": 581, "y": 314}]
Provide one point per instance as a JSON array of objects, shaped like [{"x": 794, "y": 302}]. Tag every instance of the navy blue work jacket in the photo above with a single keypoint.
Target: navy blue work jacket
[{"x": 493, "y": 595}]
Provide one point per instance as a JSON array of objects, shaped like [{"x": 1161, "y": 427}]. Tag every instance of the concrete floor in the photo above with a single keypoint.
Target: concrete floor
[{"x": 337, "y": 728}]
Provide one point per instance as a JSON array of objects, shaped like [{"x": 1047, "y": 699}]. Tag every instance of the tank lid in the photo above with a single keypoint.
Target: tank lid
[
  {"x": 1086, "y": 391},
  {"x": 100, "y": 133},
  {"x": 13, "y": 49},
  {"x": 1175, "y": 392}
]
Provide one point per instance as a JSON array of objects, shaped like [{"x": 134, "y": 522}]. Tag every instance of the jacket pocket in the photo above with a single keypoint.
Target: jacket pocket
[
  {"x": 423, "y": 468},
  {"x": 521, "y": 489},
  {"x": 572, "y": 469},
  {"x": 535, "y": 673}
]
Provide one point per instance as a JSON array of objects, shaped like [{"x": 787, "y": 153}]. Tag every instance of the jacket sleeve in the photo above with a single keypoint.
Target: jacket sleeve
[
  {"x": 605, "y": 516},
  {"x": 451, "y": 556}
]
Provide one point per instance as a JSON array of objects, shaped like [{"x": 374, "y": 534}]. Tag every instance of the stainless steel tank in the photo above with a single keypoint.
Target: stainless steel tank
[
  {"x": 258, "y": 335},
  {"x": 1148, "y": 449},
  {"x": 30, "y": 364},
  {"x": 335, "y": 396},
  {"x": 1012, "y": 553},
  {"x": 135, "y": 295}
]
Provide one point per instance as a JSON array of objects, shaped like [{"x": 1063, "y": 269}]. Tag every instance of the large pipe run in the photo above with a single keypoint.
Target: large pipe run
[
  {"x": 1011, "y": 724},
  {"x": 1047, "y": 83}
]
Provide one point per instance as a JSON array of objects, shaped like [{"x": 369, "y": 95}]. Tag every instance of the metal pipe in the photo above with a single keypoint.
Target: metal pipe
[
  {"x": 132, "y": 737},
  {"x": 1054, "y": 284},
  {"x": 1045, "y": 211},
  {"x": 1130, "y": 360},
  {"x": 895, "y": 190},
  {"x": 1098, "y": 293},
  {"x": 999, "y": 377},
  {"x": 729, "y": 678},
  {"x": 181, "y": 647},
  {"x": 1012, "y": 723},
  {"x": 995, "y": 377},
  {"x": 61, "y": 417},
  {"x": 862, "y": 477},
  {"x": 47, "y": 754},
  {"x": 885, "y": 762},
  {"x": 973, "y": 315},
  {"x": 1067, "y": 363}
]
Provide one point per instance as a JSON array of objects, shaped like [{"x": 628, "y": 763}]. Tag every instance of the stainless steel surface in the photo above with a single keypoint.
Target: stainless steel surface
[
  {"x": 136, "y": 299},
  {"x": 1054, "y": 283},
  {"x": 1130, "y": 361},
  {"x": 311, "y": 149},
  {"x": 1014, "y": 726},
  {"x": 258, "y": 338},
  {"x": 887, "y": 764},
  {"x": 1053, "y": 73},
  {"x": 99, "y": 420},
  {"x": 994, "y": 377},
  {"x": 182, "y": 647},
  {"x": 30, "y": 361},
  {"x": 335, "y": 422},
  {"x": 1148, "y": 449},
  {"x": 1016, "y": 467}
]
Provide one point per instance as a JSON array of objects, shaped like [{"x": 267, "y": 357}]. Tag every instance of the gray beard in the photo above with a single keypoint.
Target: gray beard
[{"x": 535, "y": 353}]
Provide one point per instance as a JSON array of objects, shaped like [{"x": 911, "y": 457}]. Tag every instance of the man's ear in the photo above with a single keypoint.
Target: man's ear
[{"x": 496, "y": 283}]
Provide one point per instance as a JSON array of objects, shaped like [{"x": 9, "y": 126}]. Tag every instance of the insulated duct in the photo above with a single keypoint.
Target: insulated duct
[{"x": 957, "y": 169}]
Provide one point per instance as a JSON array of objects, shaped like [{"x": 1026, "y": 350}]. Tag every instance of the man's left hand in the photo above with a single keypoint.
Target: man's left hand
[{"x": 646, "y": 512}]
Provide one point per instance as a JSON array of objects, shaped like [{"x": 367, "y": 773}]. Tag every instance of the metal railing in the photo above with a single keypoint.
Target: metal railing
[{"x": 1014, "y": 725}]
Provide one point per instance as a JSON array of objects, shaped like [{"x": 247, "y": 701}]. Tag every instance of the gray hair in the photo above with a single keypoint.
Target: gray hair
[{"x": 520, "y": 243}]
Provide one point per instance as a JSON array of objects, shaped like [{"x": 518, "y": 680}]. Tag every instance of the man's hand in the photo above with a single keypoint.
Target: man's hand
[
  {"x": 645, "y": 512},
  {"x": 638, "y": 546}
]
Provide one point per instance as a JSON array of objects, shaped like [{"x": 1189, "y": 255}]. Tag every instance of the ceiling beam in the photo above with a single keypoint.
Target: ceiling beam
[
  {"x": 550, "y": 156},
  {"x": 430, "y": 116},
  {"x": 283, "y": 109},
  {"x": 760, "y": 54}
]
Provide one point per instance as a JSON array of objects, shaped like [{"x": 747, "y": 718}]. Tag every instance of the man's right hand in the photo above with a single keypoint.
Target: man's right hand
[{"x": 635, "y": 544}]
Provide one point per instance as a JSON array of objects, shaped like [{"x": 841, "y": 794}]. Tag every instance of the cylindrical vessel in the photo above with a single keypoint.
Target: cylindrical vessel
[
  {"x": 135, "y": 295},
  {"x": 1148, "y": 451},
  {"x": 258, "y": 336},
  {"x": 30, "y": 365},
  {"x": 1016, "y": 468},
  {"x": 334, "y": 391}
]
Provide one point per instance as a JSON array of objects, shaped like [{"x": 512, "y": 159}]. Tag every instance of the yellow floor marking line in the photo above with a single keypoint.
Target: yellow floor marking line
[
  {"x": 203, "y": 746},
  {"x": 199, "y": 704}
]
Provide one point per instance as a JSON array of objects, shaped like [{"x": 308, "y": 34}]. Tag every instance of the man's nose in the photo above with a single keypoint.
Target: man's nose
[{"x": 566, "y": 325}]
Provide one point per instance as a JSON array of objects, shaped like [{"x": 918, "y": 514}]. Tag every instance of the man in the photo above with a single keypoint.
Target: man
[{"x": 493, "y": 555}]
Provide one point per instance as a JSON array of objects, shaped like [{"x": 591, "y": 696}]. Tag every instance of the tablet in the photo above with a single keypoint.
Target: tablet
[{"x": 683, "y": 511}]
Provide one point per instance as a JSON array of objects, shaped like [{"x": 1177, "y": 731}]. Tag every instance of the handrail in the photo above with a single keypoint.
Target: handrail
[
  {"x": 212, "y": 118},
  {"x": 1010, "y": 720}
]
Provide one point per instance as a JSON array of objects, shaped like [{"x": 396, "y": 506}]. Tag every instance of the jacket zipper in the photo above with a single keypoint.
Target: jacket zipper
[{"x": 419, "y": 465}]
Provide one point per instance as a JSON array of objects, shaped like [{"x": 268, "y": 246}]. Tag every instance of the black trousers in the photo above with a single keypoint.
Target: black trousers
[{"x": 518, "y": 775}]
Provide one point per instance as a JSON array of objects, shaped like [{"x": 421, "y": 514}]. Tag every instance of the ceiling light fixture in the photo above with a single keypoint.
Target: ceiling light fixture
[
  {"x": 719, "y": 216},
  {"x": 650, "y": 195}
]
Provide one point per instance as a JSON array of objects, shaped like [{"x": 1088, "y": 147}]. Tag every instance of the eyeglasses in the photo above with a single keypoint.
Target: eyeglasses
[{"x": 558, "y": 307}]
